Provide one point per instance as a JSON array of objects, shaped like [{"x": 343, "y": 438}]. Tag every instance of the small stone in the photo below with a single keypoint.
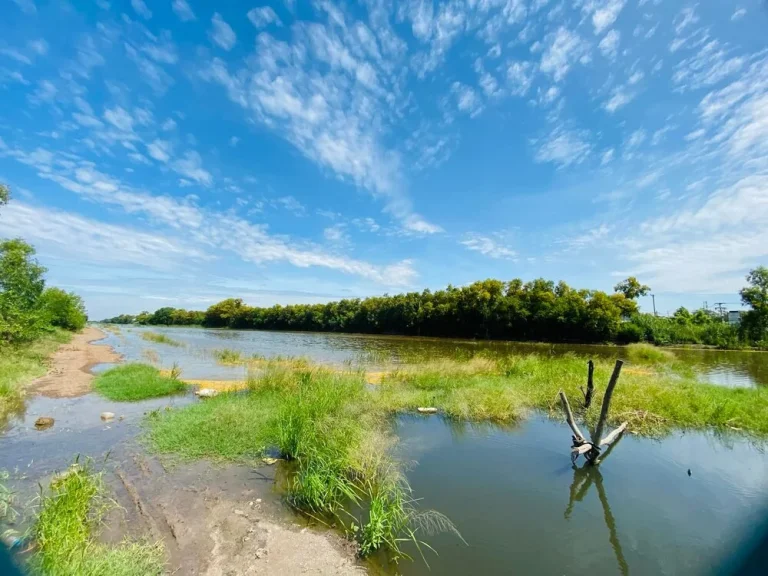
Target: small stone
[
  {"x": 261, "y": 553},
  {"x": 121, "y": 418},
  {"x": 427, "y": 410},
  {"x": 258, "y": 500},
  {"x": 44, "y": 422},
  {"x": 206, "y": 393},
  {"x": 270, "y": 461},
  {"x": 250, "y": 504},
  {"x": 106, "y": 416},
  {"x": 239, "y": 512}
]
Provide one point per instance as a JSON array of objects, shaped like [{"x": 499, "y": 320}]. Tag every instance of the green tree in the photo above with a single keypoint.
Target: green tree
[
  {"x": 682, "y": 315},
  {"x": 21, "y": 284},
  {"x": 631, "y": 288},
  {"x": 5, "y": 194},
  {"x": 224, "y": 312},
  {"x": 755, "y": 321},
  {"x": 63, "y": 309}
]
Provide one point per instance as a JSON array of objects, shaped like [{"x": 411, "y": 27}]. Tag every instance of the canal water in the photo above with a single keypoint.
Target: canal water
[{"x": 724, "y": 368}]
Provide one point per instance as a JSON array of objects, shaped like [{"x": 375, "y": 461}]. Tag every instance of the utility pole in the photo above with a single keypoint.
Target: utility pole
[
  {"x": 720, "y": 307},
  {"x": 653, "y": 297}
]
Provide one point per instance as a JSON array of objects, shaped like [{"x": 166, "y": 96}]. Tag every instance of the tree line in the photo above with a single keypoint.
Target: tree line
[
  {"x": 539, "y": 310},
  {"x": 28, "y": 308}
]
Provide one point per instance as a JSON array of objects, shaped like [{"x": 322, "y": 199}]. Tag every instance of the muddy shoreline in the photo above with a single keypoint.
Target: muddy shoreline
[{"x": 212, "y": 519}]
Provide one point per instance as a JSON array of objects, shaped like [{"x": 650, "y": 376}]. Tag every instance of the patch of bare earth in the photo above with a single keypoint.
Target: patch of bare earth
[
  {"x": 220, "y": 521},
  {"x": 69, "y": 373}
]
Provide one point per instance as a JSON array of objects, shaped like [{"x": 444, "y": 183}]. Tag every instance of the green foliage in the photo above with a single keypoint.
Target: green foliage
[
  {"x": 65, "y": 528},
  {"x": 631, "y": 288},
  {"x": 63, "y": 309},
  {"x": 132, "y": 382},
  {"x": 701, "y": 327},
  {"x": 21, "y": 284},
  {"x": 629, "y": 333},
  {"x": 160, "y": 339},
  {"x": 754, "y": 324},
  {"x": 5, "y": 194},
  {"x": 121, "y": 319}
]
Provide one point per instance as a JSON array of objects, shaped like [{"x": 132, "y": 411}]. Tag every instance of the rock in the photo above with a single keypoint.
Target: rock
[
  {"x": 239, "y": 512},
  {"x": 206, "y": 393},
  {"x": 44, "y": 422},
  {"x": 428, "y": 410},
  {"x": 261, "y": 553},
  {"x": 270, "y": 461},
  {"x": 107, "y": 416}
]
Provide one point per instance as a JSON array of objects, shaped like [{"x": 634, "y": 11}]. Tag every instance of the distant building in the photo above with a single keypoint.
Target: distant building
[{"x": 734, "y": 317}]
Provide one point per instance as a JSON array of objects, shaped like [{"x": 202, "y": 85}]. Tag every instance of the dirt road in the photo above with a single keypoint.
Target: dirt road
[{"x": 69, "y": 373}]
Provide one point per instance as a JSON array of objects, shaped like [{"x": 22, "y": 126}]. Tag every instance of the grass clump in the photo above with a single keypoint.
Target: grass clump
[
  {"x": 160, "y": 339},
  {"x": 649, "y": 354},
  {"x": 133, "y": 382},
  {"x": 64, "y": 532},
  {"x": 228, "y": 356},
  {"x": 323, "y": 423},
  {"x": 22, "y": 363}
]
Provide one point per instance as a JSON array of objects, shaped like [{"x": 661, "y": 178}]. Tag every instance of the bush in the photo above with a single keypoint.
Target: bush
[
  {"x": 629, "y": 333},
  {"x": 63, "y": 309}
]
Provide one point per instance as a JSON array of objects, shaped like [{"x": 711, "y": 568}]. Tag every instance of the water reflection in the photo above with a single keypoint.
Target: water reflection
[{"x": 584, "y": 478}]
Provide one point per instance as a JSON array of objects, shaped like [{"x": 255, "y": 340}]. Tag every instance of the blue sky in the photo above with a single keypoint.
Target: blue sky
[{"x": 177, "y": 152}]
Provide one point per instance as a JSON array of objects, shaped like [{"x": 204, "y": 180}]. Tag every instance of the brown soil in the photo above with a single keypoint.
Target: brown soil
[
  {"x": 220, "y": 521},
  {"x": 69, "y": 373}
]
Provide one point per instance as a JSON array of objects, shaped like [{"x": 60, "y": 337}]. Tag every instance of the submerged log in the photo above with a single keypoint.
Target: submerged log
[{"x": 608, "y": 440}]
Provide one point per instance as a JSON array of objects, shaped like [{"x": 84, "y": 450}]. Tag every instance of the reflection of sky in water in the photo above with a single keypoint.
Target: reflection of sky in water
[
  {"x": 508, "y": 493},
  {"x": 724, "y": 368}
]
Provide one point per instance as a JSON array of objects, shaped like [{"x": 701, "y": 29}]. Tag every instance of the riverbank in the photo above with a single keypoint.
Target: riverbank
[
  {"x": 69, "y": 372},
  {"x": 207, "y": 520}
]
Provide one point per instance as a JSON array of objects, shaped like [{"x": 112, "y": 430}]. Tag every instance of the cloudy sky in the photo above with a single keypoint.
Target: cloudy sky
[{"x": 177, "y": 152}]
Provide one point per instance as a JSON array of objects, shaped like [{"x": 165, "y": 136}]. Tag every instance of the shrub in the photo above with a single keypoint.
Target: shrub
[
  {"x": 629, "y": 333},
  {"x": 63, "y": 309}
]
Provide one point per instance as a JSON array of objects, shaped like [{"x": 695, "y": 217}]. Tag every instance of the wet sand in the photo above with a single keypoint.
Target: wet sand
[{"x": 69, "y": 373}]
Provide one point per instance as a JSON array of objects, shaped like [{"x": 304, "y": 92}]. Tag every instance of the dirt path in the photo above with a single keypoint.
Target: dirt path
[
  {"x": 220, "y": 521},
  {"x": 69, "y": 374}
]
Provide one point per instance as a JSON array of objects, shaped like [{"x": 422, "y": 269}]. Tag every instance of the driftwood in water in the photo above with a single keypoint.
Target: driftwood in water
[
  {"x": 581, "y": 446},
  {"x": 590, "y": 385},
  {"x": 570, "y": 419}
]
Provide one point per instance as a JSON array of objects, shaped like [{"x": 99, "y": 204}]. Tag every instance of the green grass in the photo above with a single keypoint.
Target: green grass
[
  {"x": 22, "y": 364},
  {"x": 160, "y": 339},
  {"x": 648, "y": 353},
  {"x": 132, "y": 382},
  {"x": 64, "y": 533},
  {"x": 323, "y": 423},
  {"x": 228, "y": 356}
]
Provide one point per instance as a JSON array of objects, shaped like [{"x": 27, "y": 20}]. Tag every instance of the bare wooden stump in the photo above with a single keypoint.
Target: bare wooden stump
[
  {"x": 590, "y": 385},
  {"x": 581, "y": 446}
]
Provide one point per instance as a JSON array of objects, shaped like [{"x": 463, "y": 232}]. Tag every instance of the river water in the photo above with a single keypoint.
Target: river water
[
  {"x": 675, "y": 506},
  {"x": 724, "y": 368}
]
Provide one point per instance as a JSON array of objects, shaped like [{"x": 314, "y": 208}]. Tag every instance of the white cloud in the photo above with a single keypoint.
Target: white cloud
[
  {"x": 519, "y": 77},
  {"x": 263, "y": 17},
  {"x": 39, "y": 46},
  {"x": 607, "y": 156},
  {"x": 119, "y": 118},
  {"x": 169, "y": 125},
  {"x": 563, "y": 49},
  {"x": 709, "y": 65},
  {"x": 739, "y": 14},
  {"x": 336, "y": 234},
  {"x": 467, "y": 99},
  {"x": 64, "y": 234},
  {"x": 635, "y": 139},
  {"x": 563, "y": 147},
  {"x": 26, "y": 6},
  {"x": 191, "y": 167},
  {"x": 687, "y": 17},
  {"x": 605, "y": 15},
  {"x": 619, "y": 98},
  {"x": 160, "y": 150},
  {"x": 609, "y": 45},
  {"x": 183, "y": 10},
  {"x": 222, "y": 33},
  {"x": 141, "y": 9},
  {"x": 488, "y": 246}
]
